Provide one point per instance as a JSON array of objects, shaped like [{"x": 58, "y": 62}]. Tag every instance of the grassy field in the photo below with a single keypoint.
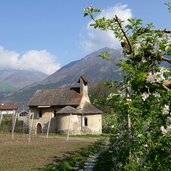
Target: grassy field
[{"x": 20, "y": 155}]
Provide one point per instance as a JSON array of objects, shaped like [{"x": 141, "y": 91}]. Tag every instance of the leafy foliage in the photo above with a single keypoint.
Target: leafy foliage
[
  {"x": 168, "y": 5},
  {"x": 7, "y": 121},
  {"x": 100, "y": 92},
  {"x": 142, "y": 134}
]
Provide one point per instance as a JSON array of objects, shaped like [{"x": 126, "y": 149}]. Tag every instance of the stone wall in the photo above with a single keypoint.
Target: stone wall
[
  {"x": 47, "y": 114},
  {"x": 62, "y": 122},
  {"x": 71, "y": 122},
  {"x": 94, "y": 124}
]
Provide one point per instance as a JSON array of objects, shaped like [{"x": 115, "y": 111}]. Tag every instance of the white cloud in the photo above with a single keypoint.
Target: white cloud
[
  {"x": 35, "y": 60},
  {"x": 96, "y": 38},
  {"x": 39, "y": 61}
]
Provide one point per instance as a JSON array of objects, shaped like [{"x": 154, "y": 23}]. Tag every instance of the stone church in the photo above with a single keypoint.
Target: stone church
[{"x": 65, "y": 109}]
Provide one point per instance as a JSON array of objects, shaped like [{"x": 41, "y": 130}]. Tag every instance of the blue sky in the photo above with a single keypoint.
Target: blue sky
[{"x": 45, "y": 35}]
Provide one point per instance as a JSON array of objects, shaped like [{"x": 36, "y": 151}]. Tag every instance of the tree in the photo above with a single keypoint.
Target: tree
[
  {"x": 99, "y": 95},
  {"x": 142, "y": 139},
  {"x": 168, "y": 5},
  {"x": 100, "y": 92}
]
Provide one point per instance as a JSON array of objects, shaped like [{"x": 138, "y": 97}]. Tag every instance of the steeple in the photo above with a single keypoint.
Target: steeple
[{"x": 84, "y": 89}]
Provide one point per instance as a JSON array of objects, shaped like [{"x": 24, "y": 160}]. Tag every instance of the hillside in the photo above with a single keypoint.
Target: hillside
[
  {"x": 94, "y": 68},
  {"x": 13, "y": 80}
]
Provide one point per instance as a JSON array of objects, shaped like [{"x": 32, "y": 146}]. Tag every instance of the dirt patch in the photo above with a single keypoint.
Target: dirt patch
[{"x": 19, "y": 154}]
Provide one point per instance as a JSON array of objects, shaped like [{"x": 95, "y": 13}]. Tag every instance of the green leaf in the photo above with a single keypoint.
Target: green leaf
[
  {"x": 128, "y": 26},
  {"x": 150, "y": 25},
  {"x": 85, "y": 14},
  {"x": 169, "y": 53},
  {"x": 138, "y": 21},
  {"x": 96, "y": 10},
  {"x": 168, "y": 48}
]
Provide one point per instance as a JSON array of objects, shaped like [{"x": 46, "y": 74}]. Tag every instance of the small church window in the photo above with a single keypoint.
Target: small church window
[
  {"x": 85, "y": 121},
  {"x": 40, "y": 113}
]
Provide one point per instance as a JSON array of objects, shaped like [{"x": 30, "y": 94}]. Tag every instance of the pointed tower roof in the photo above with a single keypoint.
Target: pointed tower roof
[{"x": 83, "y": 78}]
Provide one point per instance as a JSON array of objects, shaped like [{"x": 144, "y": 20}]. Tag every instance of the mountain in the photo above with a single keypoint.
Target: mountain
[
  {"x": 93, "y": 67},
  {"x": 13, "y": 80}
]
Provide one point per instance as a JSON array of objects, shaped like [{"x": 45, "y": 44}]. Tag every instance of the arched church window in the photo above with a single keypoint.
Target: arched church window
[{"x": 85, "y": 121}]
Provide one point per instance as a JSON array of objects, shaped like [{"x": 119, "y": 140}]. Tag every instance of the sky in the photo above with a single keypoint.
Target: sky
[{"x": 44, "y": 35}]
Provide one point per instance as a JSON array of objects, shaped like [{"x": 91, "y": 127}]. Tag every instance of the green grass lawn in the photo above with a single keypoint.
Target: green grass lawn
[{"x": 20, "y": 155}]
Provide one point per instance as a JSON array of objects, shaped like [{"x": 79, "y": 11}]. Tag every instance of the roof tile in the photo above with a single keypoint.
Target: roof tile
[{"x": 56, "y": 97}]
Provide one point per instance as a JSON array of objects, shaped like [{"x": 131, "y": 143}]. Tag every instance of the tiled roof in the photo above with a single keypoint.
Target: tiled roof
[
  {"x": 68, "y": 109},
  {"x": 87, "y": 109},
  {"x": 8, "y": 107},
  {"x": 90, "y": 109},
  {"x": 56, "y": 97}
]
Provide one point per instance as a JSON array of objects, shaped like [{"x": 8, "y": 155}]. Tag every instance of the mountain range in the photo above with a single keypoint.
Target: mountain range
[
  {"x": 12, "y": 80},
  {"x": 94, "y": 68}
]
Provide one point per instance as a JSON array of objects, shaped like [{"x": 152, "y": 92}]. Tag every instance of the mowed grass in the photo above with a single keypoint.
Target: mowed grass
[{"x": 21, "y": 155}]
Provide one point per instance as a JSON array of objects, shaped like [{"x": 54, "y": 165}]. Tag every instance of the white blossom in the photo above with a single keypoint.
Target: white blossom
[
  {"x": 110, "y": 96},
  {"x": 129, "y": 100},
  {"x": 143, "y": 61},
  {"x": 90, "y": 7},
  {"x": 150, "y": 78},
  {"x": 139, "y": 135},
  {"x": 169, "y": 120},
  {"x": 163, "y": 70},
  {"x": 146, "y": 145},
  {"x": 165, "y": 109},
  {"x": 158, "y": 76},
  {"x": 156, "y": 94},
  {"x": 145, "y": 95},
  {"x": 112, "y": 126},
  {"x": 163, "y": 130}
]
